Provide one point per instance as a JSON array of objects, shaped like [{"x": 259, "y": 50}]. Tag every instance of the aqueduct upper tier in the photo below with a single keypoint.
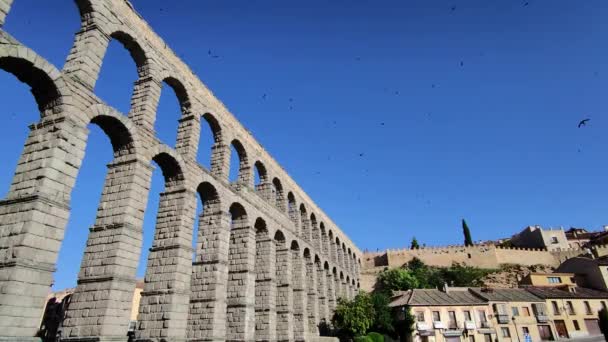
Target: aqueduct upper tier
[{"x": 269, "y": 264}]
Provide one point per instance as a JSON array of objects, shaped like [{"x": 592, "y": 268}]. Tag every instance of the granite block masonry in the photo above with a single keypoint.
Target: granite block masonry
[{"x": 268, "y": 265}]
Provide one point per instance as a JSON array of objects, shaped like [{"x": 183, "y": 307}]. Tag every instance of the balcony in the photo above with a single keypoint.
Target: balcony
[
  {"x": 502, "y": 319},
  {"x": 485, "y": 324},
  {"x": 542, "y": 318},
  {"x": 470, "y": 325}
]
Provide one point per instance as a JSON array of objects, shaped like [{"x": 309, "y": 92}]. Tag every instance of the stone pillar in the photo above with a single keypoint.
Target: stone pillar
[
  {"x": 284, "y": 295},
  {"x": 300, "y": 296},
  {"x": 265, "y": 289},
  {"x": 86, "y": 56},
  {"x": 324, "y": 244},
  {"x": 144, "y": 102},
  {"x": 163, "y": 309},
  {"x": 5, "y": 6},
  {"x": 240, "y": 315},
  {"x": 333, "y": 252},
  {"x": 220, "y": 160},
  {"x": 313, "y": 301},
  {"x": 316, "y": 237},
  {"x": 322, "y": 294},
  {"x": 188, "y": 136},
  {"x": 207, "y": 313},
  {"x": 32, "y": 221},
  {"x": 100, "y": 307},
  {"x": 340, "y": 254},
  {"x": 305, "y": 224},
  {"x": 331, "y": 293},
  {"x": 264, "y": 189}
]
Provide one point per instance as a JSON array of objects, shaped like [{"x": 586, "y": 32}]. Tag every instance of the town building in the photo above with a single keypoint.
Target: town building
[
  {"x": 451, "y": 315},
  {"x": 549, "y": 279},
  {"x": 572, "y": 310},
  {"x": 592, "y": 273},
  {"x": 517, "y": 314},
  {"x": 537, "y": 237}
]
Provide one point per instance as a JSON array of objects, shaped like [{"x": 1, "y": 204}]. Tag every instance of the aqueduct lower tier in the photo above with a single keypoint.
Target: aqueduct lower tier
[{"x": 269, "y": 265}]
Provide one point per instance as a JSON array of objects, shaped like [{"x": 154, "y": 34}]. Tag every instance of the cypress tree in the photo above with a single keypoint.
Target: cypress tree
[
  {"x": 414, "y": 244},
  {"x": 468, "y": 241}
]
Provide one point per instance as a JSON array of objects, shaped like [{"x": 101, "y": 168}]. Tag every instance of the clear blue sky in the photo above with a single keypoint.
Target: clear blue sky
[{"x": 494, "y": 140}]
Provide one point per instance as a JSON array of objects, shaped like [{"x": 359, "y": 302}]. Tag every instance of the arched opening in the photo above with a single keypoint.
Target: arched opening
[
  {"x": 279, "y": 196},
  {"x": 330, "y": 245},
  {"x": 172, "y": 231},
  {"x": 304, "y": 223},
  {"x": 119, "y": 215},
  {"x": 20, "y": 109},
  {"x": 209, "y": 211},
  {"x": 261, "y": 180},
  {"x": 324, "y": 240},
  {"x": 239, "y": 165},
  {"x": 117, "y": 76},
  {"x": 173, "y": 104},
  {"x": 50, "y": 40},
  {"x": 210, "y": 137},
  {"x": 292, "y": 209}
]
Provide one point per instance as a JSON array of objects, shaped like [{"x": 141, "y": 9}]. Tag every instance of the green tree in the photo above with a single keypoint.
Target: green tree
[
  {"x": 414, "y": 244},
  {"x": 603, "y": 317},
  {"x": 383, "y": 318},
  {"x": 397, "y": 279},
  {"x": 405, "y": 325},
  {"x": 468, "y": 241},
  {"x": 354, "y": 317}
]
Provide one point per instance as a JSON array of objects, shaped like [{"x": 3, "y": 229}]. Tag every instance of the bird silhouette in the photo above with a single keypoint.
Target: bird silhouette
[
  {"x": 453, "y": 8},
  {"x": 361, "y": 154},
  {"x": 583, "y": 123},
  {"x": 382, "y": 124},
  {"x": 526, "y": 4},
  {"x": 461, "y": 63},
  {"x": 264, "y": 96}
]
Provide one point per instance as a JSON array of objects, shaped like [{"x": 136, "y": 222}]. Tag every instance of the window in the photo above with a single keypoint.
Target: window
[
  {"x": 555, "y": 308},
  {"x": 570, "y": 308},
  {"x": 588, "y": 310},
  {"x": 515, "y": 311},
  {"x": 526, "y": 311},
  {"x": 505, "y": 332},
  {"x": 576, "y": 326},
  {"x": 487, "y": 338},
  {"x": 471, "y": 338},
  {"x": 436, "y": 316},
  {"x": 482, "y": 315},
  {"x": 554, "y": 240},
  {"x": 554, "y": 280},
  {"x": 467, "y": 315},
  {"x": 525, "y": 331},
  {"x": 452, "y": 320},
  {"x": 419, "y": 316}
]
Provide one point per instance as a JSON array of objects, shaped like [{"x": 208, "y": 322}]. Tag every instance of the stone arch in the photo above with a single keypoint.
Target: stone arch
[
  {"x": 170, "y": 166},
  {"x": 128, "y": 40},
  {"x": 27, "y": 67},
  {"x": 292, "y": 209},
  {"x": 324, "y": 240},
  {"x": 304, "y": 223},
  {"x": 265, "y": 288},
  {"x": 279, "y": 237},
  {"x": 218, "y": 163},
  {"x": 238, "y": 214},
  {"x": 279, "y": 194},
  {"x": 119, "y": 129},
  {"x": 185, "y": 140},
  {"x": 244, "y": 170},
  {"x": 315, "y": 233},
  {"x": 294, "y": 246}
]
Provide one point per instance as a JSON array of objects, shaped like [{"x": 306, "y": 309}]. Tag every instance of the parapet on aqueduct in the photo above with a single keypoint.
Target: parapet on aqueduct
[{"x": 269, "y": 263}]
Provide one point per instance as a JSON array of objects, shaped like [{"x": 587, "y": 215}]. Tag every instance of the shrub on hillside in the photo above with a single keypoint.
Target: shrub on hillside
[{"x": 363, "y": 339}]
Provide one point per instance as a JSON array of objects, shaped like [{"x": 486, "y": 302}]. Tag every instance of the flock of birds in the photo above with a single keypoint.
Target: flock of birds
[{"x": 211, "y": 54}]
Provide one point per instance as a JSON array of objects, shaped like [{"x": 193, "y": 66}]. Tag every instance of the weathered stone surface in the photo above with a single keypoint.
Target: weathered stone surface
[{"x": 269, "y": 265}]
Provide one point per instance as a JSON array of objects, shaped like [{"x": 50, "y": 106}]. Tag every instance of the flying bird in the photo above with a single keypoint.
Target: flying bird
[
  {"x": 583, "y": 123},
  {"x": 264, "y": 96},
  {"x": 461, "y": 63},
  {"x": 361, "y": 154},
  {"x": 453, "y": 8}
]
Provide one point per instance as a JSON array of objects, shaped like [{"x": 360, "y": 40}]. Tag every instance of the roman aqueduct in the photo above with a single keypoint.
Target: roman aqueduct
[{"x": 269, "y": 264}]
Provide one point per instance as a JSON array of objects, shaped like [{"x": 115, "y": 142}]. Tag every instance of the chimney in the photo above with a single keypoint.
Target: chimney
[{"x": 446, "y": 288}]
